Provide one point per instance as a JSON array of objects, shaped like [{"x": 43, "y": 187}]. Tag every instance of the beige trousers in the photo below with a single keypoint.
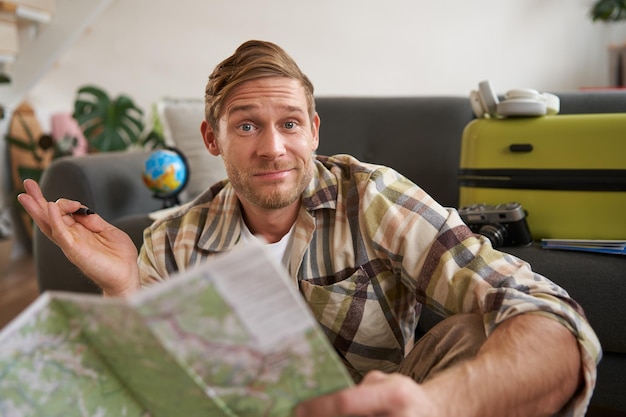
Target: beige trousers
[{"x": 453, "y": 340}]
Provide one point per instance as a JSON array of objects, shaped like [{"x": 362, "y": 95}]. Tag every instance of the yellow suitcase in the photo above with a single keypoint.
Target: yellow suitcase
[{"x": 567, "y": 171}]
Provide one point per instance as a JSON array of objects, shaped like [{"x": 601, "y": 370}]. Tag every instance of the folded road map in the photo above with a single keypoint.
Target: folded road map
[{"x": 230, "y": 338}]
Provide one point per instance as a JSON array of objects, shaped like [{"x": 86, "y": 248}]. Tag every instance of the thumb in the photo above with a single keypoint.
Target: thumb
[
  {"x": 370, "y": 397},
  {"x": 68, "y": 206}
]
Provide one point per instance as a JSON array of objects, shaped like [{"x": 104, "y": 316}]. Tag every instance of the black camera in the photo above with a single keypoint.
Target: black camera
[{"x": 503, "y": 224}]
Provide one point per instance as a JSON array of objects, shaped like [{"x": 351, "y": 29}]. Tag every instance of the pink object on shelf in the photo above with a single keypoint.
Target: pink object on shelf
[{"x": 63, "y": 124}]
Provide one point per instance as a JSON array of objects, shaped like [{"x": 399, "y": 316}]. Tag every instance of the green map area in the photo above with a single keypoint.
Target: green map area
[{"x": 185, "y": 347}]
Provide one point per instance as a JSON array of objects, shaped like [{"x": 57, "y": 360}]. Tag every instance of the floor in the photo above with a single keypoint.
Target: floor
[{"x": 18, "y": 283}]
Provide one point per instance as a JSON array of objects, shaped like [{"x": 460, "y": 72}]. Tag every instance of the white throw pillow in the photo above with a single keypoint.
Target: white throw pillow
[{"x": 181, "y": 120}]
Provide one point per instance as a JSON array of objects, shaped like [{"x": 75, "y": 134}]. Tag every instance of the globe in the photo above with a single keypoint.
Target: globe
[{"x": 165, "y": 174}]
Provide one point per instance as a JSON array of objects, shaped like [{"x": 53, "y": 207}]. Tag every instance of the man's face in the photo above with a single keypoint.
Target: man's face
[{"x": 267, "y": 141}]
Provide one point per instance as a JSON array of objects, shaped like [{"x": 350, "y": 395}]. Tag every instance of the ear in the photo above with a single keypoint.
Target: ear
[
  {"x": 315, "y": 126},
  {"x": 210, "y": 140}
]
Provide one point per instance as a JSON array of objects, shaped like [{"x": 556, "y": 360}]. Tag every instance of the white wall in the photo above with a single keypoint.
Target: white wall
[{"x": 155, "y": 48}]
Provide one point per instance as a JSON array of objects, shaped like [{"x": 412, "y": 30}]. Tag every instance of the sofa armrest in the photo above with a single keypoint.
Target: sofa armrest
[{"x": 108, "y": 183}]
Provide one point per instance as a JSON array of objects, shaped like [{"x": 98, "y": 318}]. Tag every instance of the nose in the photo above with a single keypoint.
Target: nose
[{"x": 271, "y": 144}]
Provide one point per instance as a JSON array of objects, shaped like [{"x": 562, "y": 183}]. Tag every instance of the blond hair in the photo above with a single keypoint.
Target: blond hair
[{"x": 252, "y": 60}]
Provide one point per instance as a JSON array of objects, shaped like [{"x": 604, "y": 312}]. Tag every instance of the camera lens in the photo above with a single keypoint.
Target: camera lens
[{"x": 495, "y": 233}]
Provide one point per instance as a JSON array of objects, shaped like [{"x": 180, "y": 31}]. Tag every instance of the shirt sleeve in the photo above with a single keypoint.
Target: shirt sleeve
[
  {"x": 501, "y": 286},
  {"x": 150, "y": 270},
  {"x": 453, "y": 270}
]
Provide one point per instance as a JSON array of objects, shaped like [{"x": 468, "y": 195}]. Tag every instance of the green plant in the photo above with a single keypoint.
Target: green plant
[
  {"x": 113, "y": 124},
  {"x": 108, "y": 125},
  {"x": 608, "y": 10},
  {"x": 153, "y": 138}
]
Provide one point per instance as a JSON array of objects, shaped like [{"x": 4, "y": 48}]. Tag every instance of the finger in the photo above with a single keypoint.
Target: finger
[
  {"x": 35, "y": 204},
  {"x": 59, "y": 224},
  {"x": 32, "y": 189},
  {"x": 75, "y": 212},
  {"x": 361, "y": 400},
  {"x": 83, "y": 215},
  {"x": 35, "y": 210},
  {"x": 32, "y": 198},
  {"x": 68, "y": 206},
  {"x": 28, "y": 202},
  {"x": 374, "y": 377}
]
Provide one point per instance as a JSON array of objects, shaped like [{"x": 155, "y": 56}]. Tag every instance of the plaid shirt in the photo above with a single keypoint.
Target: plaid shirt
[{"x": 370, "y": 249}]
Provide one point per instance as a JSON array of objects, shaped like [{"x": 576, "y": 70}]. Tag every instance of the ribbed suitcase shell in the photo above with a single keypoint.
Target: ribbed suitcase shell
[{"x": 567, "y": 171}]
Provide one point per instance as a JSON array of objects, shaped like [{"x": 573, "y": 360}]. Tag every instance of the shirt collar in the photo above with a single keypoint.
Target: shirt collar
[
  {"x": 322, "y": 190},
  {"x": 223, "y": 233}
]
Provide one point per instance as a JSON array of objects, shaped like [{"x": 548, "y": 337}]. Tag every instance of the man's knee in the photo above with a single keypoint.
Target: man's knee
[{"x": 453, "y": 340}]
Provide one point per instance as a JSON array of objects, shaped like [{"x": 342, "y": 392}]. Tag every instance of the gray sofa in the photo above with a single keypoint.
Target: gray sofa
[{"x": 418, "y": 136}]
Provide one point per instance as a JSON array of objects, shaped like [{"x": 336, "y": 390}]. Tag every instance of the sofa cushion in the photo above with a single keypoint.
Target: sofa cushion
[
  {"x": 420, "y": 137},
  {"x": 181, "y": 120}
]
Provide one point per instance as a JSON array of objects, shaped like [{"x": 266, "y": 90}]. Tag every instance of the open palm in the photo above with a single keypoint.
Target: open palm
[{"x": 103, "y": 252}]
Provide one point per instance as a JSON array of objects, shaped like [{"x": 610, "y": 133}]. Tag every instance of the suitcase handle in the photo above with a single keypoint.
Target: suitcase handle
[{"x": 521, "y": 147}]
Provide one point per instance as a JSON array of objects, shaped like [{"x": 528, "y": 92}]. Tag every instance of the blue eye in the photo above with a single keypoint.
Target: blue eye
[
  {"x": 290, "y": 125},
  {"x": 246, "y": 127}
]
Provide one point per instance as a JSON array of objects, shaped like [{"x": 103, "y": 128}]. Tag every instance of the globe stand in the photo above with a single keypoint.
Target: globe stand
[{"x": 168, "y": 200}]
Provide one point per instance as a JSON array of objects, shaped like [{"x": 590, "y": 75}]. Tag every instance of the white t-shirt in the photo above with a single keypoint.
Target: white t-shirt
[{"x": 281, "y": 250}]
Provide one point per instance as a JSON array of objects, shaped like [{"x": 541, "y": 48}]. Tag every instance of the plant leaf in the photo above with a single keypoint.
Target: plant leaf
[
  {"x": 609, "y": 10},
  {"x": 107, "y": 124},
  {"x": 31, "y": 144},
  {"x": 28, "y": 172},
  {"x": 153, "y": 140},
  {"x": 20, "y": 143}
]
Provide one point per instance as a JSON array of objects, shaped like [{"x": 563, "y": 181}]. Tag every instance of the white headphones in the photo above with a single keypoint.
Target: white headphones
[{"x": 518, "y": 102}]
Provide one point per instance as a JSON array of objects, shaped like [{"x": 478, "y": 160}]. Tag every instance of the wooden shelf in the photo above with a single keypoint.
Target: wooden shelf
[{"x": 39, "y": 11}]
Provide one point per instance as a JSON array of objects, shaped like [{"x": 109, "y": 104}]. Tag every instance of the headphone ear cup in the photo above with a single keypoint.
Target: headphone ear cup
[
  {"x": 477, "y": 105},
  {"x": 527, "y": 93},
  {"x": 522, "y": 107},
  {"x": 489, "y": 98},
  {"x": 552, "y": 102},
  {"x": 528, "y": 102},
  {"x": 523, "y": 102}
]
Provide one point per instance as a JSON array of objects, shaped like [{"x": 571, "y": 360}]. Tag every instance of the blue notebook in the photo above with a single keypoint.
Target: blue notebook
[{"x": 616, "y": 247}]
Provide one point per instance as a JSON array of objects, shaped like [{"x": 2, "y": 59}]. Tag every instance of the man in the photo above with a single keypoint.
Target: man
[{"x": 367, "y": 249}]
